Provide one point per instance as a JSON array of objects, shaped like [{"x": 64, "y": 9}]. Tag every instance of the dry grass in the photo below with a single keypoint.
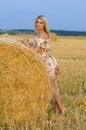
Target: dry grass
[{"x": 70, "y": 53}]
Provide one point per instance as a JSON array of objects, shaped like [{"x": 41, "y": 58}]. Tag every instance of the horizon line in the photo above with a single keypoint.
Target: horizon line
[{"x": 33, "y": 30}]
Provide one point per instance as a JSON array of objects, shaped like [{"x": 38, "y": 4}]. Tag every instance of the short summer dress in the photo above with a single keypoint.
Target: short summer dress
[{"x": 44, "y": 50}]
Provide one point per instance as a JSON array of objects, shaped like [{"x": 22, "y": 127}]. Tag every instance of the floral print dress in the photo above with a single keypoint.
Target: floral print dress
[{"x": 44, "y": 50}]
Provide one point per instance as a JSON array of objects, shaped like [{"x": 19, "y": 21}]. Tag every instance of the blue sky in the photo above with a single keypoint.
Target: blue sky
[{"x": 61, "y": 14}]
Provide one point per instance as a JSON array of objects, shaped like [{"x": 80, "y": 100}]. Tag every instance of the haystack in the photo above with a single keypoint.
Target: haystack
[
  {"x": 53, "y": 37},
  {"x": 24, "y": 85}
]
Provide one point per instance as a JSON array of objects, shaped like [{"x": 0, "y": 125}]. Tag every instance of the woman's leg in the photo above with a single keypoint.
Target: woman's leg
[{"x": 56, "y": 93}]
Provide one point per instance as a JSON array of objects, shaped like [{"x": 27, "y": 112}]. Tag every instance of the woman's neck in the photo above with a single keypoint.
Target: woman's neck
[{"x": 41, "y": 32}]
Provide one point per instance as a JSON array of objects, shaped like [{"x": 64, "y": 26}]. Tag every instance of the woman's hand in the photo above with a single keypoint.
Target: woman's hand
[
  {"x": 25, "y": 41},
  {"x": 57, "y": 71}
]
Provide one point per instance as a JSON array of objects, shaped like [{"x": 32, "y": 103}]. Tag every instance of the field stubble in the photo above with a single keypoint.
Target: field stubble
[{"x": 70, "y": 53}]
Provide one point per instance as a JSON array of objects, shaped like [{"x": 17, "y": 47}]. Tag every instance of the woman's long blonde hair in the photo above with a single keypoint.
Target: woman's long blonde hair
[{"x": 46, "y": 28}]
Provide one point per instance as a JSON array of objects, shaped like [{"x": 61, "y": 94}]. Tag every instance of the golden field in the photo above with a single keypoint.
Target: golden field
[{"x": 70, "y": 53}]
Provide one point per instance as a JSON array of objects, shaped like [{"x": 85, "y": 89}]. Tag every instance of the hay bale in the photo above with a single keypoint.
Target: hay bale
[
  {"x": 53, "y": 36},
  {"x": 24, "y": 85}
]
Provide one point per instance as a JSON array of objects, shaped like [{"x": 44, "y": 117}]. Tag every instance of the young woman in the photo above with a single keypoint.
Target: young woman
[{"x": 42, "y": 46}]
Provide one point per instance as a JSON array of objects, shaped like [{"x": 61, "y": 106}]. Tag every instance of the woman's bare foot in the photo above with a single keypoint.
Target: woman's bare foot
[{"x": 63, "y": 111}]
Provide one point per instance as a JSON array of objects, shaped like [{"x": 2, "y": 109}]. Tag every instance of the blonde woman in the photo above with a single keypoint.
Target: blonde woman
[{"x": 42, "y": 46}]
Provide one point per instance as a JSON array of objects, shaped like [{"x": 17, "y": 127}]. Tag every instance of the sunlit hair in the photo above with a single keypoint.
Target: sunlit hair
[{"x": 46, "y": 28}]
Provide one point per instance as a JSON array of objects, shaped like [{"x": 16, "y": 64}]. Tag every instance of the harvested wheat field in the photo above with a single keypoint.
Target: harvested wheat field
[{"x": 70, "y": 53}]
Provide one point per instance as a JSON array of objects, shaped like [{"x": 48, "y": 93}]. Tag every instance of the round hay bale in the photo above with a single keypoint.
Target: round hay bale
[
  {"x": 53, "y": 36},
  {"x": 25, "y": 88}
]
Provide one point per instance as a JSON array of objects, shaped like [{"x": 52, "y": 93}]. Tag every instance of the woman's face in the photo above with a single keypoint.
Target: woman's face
[{"x": 40, "y": 24}]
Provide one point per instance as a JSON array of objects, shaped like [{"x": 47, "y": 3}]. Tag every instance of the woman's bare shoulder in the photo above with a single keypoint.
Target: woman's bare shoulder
[{"x": 46, "y": 36}]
